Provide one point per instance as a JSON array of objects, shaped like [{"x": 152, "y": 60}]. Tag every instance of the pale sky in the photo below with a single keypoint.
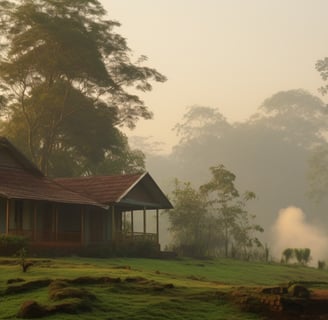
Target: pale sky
[{"x": 228, "y": 54}]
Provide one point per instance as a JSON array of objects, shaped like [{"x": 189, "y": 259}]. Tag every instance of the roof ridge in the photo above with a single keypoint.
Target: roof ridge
[{"x": 103, "y": 176}]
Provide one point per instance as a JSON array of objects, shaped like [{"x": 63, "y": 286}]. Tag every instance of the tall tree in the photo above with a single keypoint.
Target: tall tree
[
  {"x": 229, "y": 207},
  {"x": 201, "y": 130},
  {"x": 297, "y": 115},
  {"x": 65, "y": 76},
  {"x": 214, "y": 216},
  {"x": 318, "y": 173},
  {"x": 189, "y": 220},
  {"x": 200, "y": 121}
]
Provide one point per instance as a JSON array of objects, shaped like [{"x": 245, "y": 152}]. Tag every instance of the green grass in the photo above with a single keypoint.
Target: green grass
[{"x": 199, "y": 290}]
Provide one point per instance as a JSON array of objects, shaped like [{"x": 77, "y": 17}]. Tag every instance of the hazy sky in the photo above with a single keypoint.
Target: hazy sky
[{"x": 229, "y": 54}]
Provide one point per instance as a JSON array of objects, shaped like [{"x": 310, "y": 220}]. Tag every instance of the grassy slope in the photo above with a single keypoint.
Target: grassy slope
[{"x": 198, "y": 292}]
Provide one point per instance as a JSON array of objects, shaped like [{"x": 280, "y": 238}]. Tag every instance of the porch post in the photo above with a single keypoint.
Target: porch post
[
  {"x": 7, "y": 215},
  {"x": 113, "y": 224},
  {"x": 144, "y": 220},
  {"x": 124, "y": 222},
  {"x": 157, "y": 225},
  {"x": 132, "y": 226},
  {"x": 34, "y": 221},
  {"x": 82, "y": 210},
  {"x": 55, "y": 211}
]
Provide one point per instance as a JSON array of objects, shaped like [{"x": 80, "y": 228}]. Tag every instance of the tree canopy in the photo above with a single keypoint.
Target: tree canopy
[{"x": 65, "y": 77}]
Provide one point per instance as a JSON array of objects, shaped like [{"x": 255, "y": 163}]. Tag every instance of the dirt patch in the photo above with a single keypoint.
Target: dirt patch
[{"x": 287, "y": 302}]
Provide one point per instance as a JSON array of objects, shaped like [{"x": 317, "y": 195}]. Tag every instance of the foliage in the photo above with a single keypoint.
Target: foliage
[
  {"x": 318, "y": 162},
  {"x": 65, "y": 76},
  {"x": 321, "y": 264},
  {"x": 302, "y": 119},
  {"x": 318, "y": 173},
  {"x": 302, "y": 255},
  {"x": 141, "y": 248},
  {"x": 201, "y": 121},
  {"x": 296, "y": 114},
  {"x": 229, "y": 208},
  {"x": 10, "y": 244},
  {"x": 322, "y": 67},
  {"x": 22, "y": 255},
  {"x": 193, "y": 228},
  {"x": 215, "y": 216},
  {"x": 288, "y": 254}
]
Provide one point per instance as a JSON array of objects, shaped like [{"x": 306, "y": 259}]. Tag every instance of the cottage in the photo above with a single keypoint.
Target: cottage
[{"x": 73, "y": 213}]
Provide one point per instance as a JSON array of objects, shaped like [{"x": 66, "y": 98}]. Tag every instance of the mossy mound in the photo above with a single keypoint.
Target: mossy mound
[
  {"x": 27, "y": 286},
  {"x": 71, "y": 292},
  {"x": 32, "y": 310},
  {"x": 70, "y": 296}
]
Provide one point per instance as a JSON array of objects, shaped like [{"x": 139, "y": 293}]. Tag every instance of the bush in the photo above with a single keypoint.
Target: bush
[
  {"x": 321, "y": 265},
  {"x": 302, "y": 255},
  {"x": 140, "y": 248},
  {"x": 10, "y": 244}
]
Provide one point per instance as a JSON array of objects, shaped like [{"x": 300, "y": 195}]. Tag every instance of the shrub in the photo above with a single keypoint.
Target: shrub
[
  {"x": 288, "y": 254},
  {"x": 321, "y": 265},
  {"x": 22, "y": 255},
  {"x": 140, "y": 248},
  {"x": 10, "y": 244},
  {"x": 303, "y": 255}
]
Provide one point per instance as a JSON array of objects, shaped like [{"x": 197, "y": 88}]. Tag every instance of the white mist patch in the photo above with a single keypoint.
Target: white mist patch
[{"x": 291, "y": 230}]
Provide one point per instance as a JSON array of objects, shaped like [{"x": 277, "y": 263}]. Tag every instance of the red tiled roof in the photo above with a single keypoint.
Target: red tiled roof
[
  {"x": 103, "y": 189},
  {"x": 21, "y": 179},
  {"x": 16, "y": 183}
]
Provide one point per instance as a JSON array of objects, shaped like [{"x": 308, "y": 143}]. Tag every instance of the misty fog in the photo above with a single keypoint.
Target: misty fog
[
  {"x": 292, "y": 230},
  {"x": 269, "y": 153}
]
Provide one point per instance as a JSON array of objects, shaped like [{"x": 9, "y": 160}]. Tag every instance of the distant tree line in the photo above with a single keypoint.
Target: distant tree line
[{"x": 280, "y": 151}]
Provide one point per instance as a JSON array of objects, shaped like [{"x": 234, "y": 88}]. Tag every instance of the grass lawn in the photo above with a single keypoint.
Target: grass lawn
[{"x": 143, "y": 288}]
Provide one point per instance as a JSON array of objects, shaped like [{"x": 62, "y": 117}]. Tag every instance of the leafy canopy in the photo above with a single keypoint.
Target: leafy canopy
[{"x": 65, "y": 75}]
